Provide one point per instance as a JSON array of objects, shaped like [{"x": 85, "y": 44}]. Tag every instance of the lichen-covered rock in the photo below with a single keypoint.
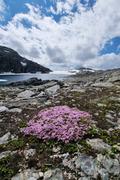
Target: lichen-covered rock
[
  {"x": 86, "y": 164},
  {"x": 98, "y": 145}
]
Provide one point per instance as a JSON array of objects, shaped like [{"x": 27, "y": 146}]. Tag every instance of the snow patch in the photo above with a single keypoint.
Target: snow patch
[
  {"x": 69, "y": 72},
  {"x": 3, "y": 80},
  {"x": 7, "y": 51},
  {"x": 24, "y": 64}
]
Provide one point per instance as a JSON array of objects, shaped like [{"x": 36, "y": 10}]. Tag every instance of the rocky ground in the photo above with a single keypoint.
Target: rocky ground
[{"x": 96, "y": 156}]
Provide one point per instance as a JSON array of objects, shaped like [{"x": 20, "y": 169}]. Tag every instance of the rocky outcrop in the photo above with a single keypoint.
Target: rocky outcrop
[
  {"x": 31, "y": 81},
  {"x": 11, "y": 61},
  {"x": 98, "y": 77}
]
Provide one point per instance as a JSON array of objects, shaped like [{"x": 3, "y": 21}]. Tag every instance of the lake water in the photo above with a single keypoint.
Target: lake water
[{"x": 8, "y": 78}]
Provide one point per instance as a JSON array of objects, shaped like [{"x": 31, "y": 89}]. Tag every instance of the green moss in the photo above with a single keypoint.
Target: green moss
[
  {"x": 114, "y": 150},
  {"x": 70, "y": 148},
  {"x": 93, "y": 132},
  {"x": 40, "y": 145},
  {"x": 9, "y": 166},
  {"x": 16, "y": 144},
  {"x": 110, "y": 138},
  {"x": 2, "y": 147},
  {"x": 46, "y": 167},
  {"x": 22, "y": 124}
]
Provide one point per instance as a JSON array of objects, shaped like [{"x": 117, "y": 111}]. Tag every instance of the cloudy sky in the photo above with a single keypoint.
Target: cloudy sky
[{"x": 63, "y": 34}]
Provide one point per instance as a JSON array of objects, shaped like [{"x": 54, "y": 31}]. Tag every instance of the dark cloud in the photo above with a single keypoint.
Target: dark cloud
[
  {"x": 34, "y": 52},
  {"x": 84, "y": 53},
  {"x": 56, "y": 55}
]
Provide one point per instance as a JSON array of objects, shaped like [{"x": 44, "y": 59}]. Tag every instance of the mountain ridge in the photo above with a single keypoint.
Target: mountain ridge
[{"x": 11, "y": 61}]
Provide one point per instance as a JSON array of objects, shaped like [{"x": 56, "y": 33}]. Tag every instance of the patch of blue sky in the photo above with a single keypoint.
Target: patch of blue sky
[
  {"x": 27, "y": 24},
  {"x": 88, "y": 3},
  {"x": 111, "y": 46}
]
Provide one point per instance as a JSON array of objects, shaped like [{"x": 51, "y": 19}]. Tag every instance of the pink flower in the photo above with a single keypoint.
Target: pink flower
[{"x": 60, "y": 122}]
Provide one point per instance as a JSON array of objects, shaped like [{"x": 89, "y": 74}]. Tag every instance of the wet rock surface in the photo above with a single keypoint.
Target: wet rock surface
[{"x": 96, "y": 156}]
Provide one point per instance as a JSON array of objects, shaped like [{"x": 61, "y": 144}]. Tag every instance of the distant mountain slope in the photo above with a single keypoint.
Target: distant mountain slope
[{"x": 11, "y": 61}]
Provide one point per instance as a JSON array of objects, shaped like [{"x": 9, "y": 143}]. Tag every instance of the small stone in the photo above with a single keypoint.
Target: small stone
[
  {"x": 117, "y": 146},
  {"x": 101, "y": 105},
  {"x": 41, "y": 174},
  {"x": 47, "y": 174},
  {"x": 32, "y": 178},
  {"x": 30, "y": 152},
  {"x": 60, "y": 155},
  {"x": 78, "y": 89},
  {"x": 100, "y": 157},
  {"x": 3, "y": 109},
  {"x": 55, "y": 174},
  {"x": 69, "y": 163},
  {"x": 84, "y": 178},
  {"x": 56, "y": 149},
  {"x": 15, "y": 110},
  {"x": 47, "y": 103},
  {"x": 42, "y": 94}
]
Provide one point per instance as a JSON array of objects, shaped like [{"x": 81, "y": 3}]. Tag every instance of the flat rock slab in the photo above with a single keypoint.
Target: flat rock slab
[
  {"x": 52, "y": 90},
  {"x": 26, "y": 94},
  {"x": 15, "y": 110},
  {"x": 105, "y": 85}
]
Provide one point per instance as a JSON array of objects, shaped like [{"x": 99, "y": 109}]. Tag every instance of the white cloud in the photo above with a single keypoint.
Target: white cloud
[
  {"x": 108, "y": 61},
  {"x": 75, "y": 40}
]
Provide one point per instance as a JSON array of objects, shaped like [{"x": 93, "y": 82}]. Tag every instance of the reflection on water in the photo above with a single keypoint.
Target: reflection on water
[{"x": 8, "y": 78}]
